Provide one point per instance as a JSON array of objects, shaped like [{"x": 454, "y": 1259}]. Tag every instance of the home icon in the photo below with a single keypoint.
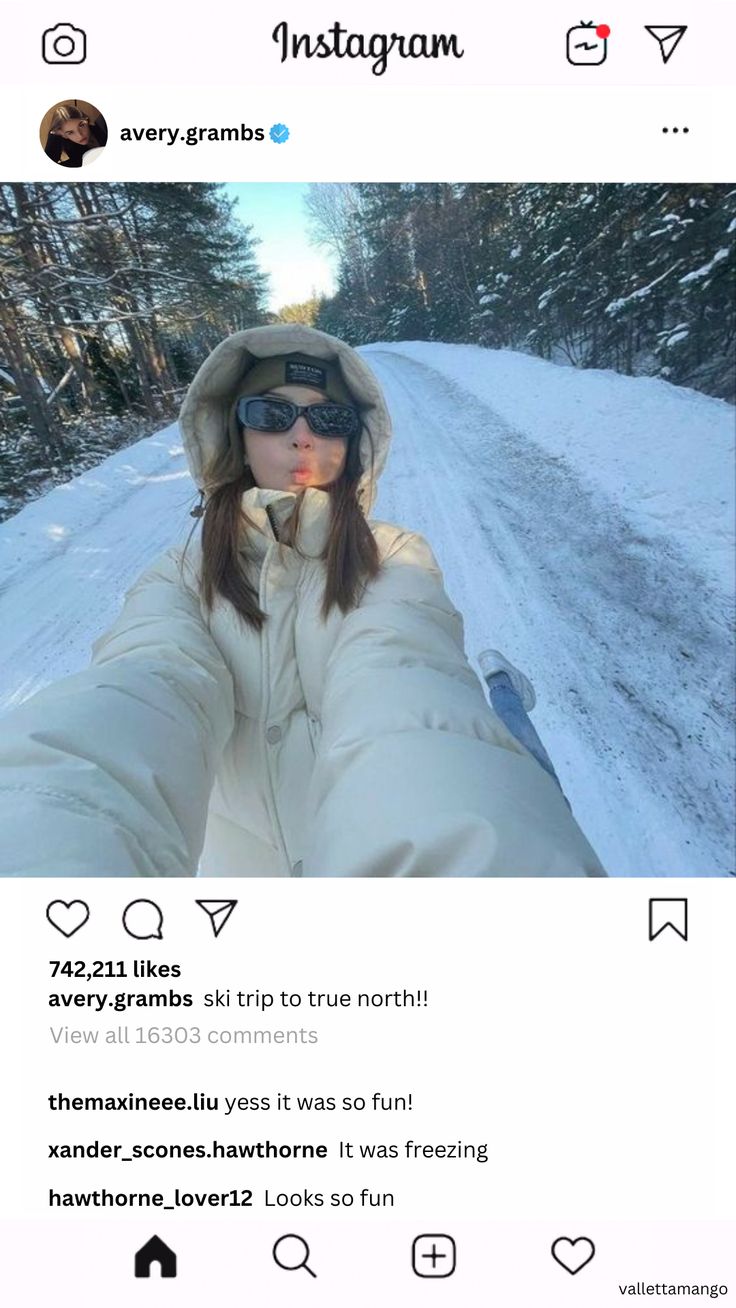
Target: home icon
[{"x": 155, "y": 1251}]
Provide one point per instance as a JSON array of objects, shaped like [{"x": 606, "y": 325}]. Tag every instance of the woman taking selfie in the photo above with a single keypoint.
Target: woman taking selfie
[
  {"x": 289, "y": 694},
  {"x": 72, "y": 134}
]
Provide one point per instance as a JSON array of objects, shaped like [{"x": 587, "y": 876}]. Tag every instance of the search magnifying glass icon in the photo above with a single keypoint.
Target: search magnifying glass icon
[{"x": 291, "y": 1252}]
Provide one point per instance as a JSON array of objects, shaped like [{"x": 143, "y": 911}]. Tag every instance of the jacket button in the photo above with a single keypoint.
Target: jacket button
[
  {"x": 296, "y": 870},
  {"x": 273, "y": 735}
]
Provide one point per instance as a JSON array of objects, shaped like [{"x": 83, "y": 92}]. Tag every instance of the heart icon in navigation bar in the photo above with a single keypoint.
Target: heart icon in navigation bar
[{"x": 573, "y": 1254}]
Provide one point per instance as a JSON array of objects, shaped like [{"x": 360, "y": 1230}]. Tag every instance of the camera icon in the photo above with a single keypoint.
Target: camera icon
[{"x": 64, "y": 44}]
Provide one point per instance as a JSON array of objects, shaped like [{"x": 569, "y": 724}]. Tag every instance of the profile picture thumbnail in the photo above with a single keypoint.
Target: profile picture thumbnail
[{"x": 73, "y": 133}]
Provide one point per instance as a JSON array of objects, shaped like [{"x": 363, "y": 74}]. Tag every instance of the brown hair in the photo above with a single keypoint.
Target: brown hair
[
  {"x": 65, "y": 113},
  {"x": 351, "y": 554}
]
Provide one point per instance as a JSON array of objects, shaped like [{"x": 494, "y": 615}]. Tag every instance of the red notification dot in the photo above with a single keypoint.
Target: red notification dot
[{"x": 603, "y": 31}]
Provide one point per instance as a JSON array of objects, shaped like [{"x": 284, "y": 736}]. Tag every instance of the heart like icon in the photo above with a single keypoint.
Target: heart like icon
[
  {"x": 573, "y": 1254},
  {"x": 67, "y": 918}
]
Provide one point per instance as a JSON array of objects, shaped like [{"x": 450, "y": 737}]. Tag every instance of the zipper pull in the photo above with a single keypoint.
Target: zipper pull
[{"x": 272, "y": 520}]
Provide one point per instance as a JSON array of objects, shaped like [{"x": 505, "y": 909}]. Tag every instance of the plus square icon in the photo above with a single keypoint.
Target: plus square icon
[{"x": 433, "y": 1255}]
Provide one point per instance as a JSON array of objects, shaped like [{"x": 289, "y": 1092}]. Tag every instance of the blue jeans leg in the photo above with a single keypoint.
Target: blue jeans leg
[{"x": 512, "y": 713}]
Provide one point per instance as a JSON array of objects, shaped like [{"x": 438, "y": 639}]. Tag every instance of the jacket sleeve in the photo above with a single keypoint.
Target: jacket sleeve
[
  {"x": 415, "y": 774},
  {"x": 109, "y": 772}
]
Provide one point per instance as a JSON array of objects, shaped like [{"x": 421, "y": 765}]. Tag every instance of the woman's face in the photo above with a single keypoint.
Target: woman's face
[
  {"x": 294, "y": 459},
  {"x": 75, "y": 129}
]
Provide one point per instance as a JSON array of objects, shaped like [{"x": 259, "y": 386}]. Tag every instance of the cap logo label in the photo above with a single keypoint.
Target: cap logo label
[{"x": 305, "y": 374}]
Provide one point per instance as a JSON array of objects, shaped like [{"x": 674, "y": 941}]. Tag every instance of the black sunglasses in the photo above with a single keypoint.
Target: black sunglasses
[{"x": 328, "y": 419}]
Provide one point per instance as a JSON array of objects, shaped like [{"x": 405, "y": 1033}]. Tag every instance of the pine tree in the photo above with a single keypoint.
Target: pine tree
[{"x": 110, "y": 297}]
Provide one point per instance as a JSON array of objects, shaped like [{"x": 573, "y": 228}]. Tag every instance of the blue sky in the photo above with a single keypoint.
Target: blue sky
[{"x": 276, "y": 212}]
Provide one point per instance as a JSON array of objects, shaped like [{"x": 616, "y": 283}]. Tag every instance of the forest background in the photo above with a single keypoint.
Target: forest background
[{"x": 111, "y": 295}]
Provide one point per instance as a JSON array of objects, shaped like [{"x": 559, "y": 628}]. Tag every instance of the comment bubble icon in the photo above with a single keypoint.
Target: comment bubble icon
[{"x": 143, "y": 920}]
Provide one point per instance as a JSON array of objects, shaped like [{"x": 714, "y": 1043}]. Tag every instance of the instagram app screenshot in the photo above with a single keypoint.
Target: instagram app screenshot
[{"x": 367, "y": 676}]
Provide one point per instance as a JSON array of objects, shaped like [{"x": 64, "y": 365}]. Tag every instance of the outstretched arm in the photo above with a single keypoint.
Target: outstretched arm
[{"x": 416, "y": 775}]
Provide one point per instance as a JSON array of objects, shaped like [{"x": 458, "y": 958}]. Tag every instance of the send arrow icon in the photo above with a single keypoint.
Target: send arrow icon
[
  {"x": 668, "y": 39},
  {"x": 218, "y": 911}
]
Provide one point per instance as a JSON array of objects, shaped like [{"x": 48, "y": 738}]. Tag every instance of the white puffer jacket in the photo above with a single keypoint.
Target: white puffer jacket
[{"x": 359, "y": 746}]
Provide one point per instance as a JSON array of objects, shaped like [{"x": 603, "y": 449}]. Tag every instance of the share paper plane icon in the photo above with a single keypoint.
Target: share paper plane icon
[
  {"x": 218, "y": 911},
  {"x": 668, "y": 39}
]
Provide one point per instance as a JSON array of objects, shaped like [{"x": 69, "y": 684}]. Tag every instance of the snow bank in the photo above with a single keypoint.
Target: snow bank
[{"x": 49, "y": 526}]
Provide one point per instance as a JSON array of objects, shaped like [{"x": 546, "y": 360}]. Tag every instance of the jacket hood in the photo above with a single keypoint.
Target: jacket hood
[{"x": 206, "y": 413}]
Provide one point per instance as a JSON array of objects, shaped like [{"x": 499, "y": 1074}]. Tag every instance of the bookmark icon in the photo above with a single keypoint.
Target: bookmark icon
[{"x": 665, "y": 913}]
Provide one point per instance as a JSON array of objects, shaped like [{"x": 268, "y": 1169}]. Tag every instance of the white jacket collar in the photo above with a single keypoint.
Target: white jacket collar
[{"x": 314, "y": 518}]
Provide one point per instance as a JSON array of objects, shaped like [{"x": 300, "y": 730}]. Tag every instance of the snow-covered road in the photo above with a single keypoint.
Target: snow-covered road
[
  {"x": 622, "y": 625},
  {"x": 627, "y": 646}
]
